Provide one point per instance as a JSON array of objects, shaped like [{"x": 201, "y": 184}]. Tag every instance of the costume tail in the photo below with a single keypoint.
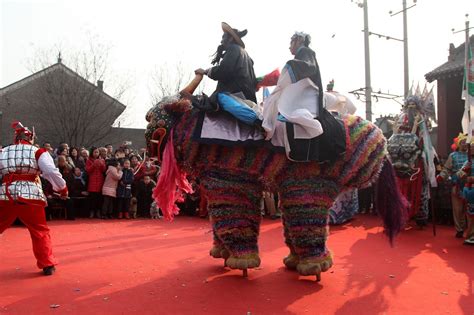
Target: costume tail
[{"x": 390, "y": 203}]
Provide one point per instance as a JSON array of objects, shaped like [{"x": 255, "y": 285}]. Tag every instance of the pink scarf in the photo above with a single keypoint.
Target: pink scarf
[{"x": 171, "y": 183}]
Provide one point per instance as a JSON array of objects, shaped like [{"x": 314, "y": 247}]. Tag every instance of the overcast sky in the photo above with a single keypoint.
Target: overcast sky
[{"x": 145, "y": 35}]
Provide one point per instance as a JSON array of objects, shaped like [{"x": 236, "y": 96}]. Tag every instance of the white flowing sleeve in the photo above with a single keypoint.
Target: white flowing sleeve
[
  {"x": 51, "y": 173},
  {"x": 270, "y": 106}
]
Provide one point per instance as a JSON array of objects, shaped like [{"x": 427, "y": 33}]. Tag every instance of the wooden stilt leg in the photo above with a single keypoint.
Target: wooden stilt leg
[
  {"x": 318, "y": 277},
  {"x": 244, "y": 273}
]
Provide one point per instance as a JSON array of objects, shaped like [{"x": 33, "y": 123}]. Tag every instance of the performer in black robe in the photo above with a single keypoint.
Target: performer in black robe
[
  {"x": 233, "y": 67},
  {"x": 329, "y": 145}
]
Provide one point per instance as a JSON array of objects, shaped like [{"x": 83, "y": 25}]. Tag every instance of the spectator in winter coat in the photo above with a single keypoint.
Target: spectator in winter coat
[
  {"x": 109, "y": 189},
  {"x": 77, "y": 159},
  {"x": 134, "y": 162},
  {"x": 144, "y": 196},
  {"x": 65, "y": 168},
  {"x": 103, "y": 153},
  {"x": 110, "y": 151},
  {"x": 77, "y": 187},
  {"x": 84, "y": 154},
  {"x": 124, "y": 190},
  {"x": 119, "y": 155},
  {"x": 95, "y": 168},
  {"x": 63, "y": 150}
]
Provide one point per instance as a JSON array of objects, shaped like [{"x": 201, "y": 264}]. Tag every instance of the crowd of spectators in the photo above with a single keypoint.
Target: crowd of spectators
[{"x": 103, "y": 183}]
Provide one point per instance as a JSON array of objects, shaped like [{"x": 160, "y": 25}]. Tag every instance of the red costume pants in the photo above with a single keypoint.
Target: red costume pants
[{"x": 34, "y": 218}]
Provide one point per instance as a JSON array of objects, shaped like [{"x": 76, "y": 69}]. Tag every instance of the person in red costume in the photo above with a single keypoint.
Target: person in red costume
[{"x": 21, "y": 194}]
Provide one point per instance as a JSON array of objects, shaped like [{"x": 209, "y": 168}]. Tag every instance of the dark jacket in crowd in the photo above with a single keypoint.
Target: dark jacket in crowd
[
  {"x": 124, "y": 188},
  {"x": 79, "y": 162},
  {"x": 76, "y": 185},
  {"x": 144, "y": 198}
]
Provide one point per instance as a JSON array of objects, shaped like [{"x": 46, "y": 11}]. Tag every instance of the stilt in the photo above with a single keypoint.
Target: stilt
[
  {"x": 244, "y": 273},
  {"x": 318, "y": 277}
]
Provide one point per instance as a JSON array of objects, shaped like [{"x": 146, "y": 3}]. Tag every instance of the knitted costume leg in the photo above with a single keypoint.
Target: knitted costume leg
[
  {"x": 235, "y": 217},
  {"x": 305, "y": 207}
]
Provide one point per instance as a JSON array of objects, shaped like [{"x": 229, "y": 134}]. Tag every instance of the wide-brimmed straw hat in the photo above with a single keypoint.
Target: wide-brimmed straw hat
[{"x": 235, "y": 33}]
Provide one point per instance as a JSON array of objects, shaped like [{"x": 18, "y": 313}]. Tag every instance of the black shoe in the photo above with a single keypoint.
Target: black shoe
[
  {"x": 48, "y": 271},
  {"x": 459, "y": 234}
]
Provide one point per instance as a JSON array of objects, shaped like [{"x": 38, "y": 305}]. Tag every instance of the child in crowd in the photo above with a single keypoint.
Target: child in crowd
[
  {"x": 119, "y": 155},
  {"x": 124, "y": 190},
  {"x": 95, "y": 167},
  {"x": 144, "y": 198},
  {"x": 109, "y": 190},
  {"x": 77, "y": 188},
  {"x": 135, "y": 163}
]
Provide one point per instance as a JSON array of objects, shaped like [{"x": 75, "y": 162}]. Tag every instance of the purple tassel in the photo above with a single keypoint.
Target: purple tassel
[{"x": 390, "y": 203}]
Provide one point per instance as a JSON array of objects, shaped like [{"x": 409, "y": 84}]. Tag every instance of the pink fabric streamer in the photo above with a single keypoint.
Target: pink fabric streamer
[{"x": 171, "y": 183}]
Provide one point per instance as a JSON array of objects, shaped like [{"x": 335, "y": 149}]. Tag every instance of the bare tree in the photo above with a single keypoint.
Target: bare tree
[
  {"x": 66, "y": 101},
  {"x": 170, "y": 79}
]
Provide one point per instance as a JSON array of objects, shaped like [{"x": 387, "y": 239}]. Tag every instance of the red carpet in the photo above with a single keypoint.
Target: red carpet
[{"x": 156, "y": 267}]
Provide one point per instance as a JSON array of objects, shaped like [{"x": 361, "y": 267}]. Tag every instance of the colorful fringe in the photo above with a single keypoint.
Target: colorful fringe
[
  {"x": 233, "y": 205},
  {"x": 305, "y": 205}
]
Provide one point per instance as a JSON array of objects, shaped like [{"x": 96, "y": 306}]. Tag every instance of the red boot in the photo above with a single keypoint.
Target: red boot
[
  {"x": 120, "y": 215},
  {"x": 127, "y": 216}
]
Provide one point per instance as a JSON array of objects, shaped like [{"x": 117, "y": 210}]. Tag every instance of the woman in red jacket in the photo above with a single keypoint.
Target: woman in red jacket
[{"x": 95, "y": 168}]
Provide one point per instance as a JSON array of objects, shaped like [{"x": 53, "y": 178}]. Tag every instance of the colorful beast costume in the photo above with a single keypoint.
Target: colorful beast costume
[
  {"x": 21, "y": 194},
  {"x": 233, "y": 179}
]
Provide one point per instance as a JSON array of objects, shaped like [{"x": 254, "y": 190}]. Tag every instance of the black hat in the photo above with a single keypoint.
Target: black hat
[{"x": 235, "y": 33}]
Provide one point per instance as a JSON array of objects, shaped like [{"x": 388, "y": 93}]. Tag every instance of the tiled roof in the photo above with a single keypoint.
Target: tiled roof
[
  {"x": 55, "y": 67},
  {"x": 453, "y": 67}
]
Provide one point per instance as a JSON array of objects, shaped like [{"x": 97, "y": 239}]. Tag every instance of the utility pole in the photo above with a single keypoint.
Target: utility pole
[
  {"x": 406, "y": 70},
  {"x": 405, "y": 50},
  {"x": 368, "y": 86}
]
